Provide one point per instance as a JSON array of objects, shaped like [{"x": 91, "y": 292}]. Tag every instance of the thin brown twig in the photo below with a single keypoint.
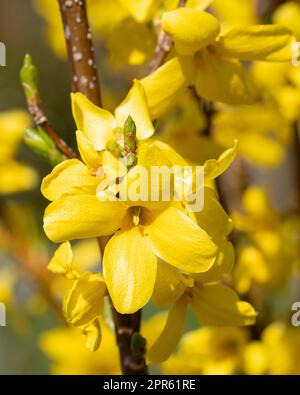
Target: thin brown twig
[
  {"x": 40, "y": 119},
  {"x": 164, "y": 47},
  {"x": 85, "y": 80},
  {"x": 297, "y": 167}
]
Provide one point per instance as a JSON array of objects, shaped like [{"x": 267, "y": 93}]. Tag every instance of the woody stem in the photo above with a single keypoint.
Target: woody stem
[{"x": 85, "y": 80}]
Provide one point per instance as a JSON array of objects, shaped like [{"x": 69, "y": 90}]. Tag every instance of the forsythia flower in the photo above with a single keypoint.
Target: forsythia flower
[
  {"x": 84, "y": 302},
  {"x": 211, "y": 302},
  {"x": 212, "y": 61},
  {"x": 276, "y": 353},
  {"x": 269, "y": 253},
  {"x": 150, "y": 227},
  {"x": 14, "y": 176},
  {"x": 68, "y": 355},
  {"x": 252, "y": 127},
  {"x": 64, "y": 348},
  {"x": 208, "y": 351}
]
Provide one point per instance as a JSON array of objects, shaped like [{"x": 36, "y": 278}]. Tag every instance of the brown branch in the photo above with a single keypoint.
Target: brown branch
[
  {"x": 80, "y": 49},
  {"x": 85, "y": 80},
  {"x": 133, "y": 361},
  {"x": 59, "y": 142},
  {"x": 164, "y": 47},
  {"x": 296, "y": 150}
]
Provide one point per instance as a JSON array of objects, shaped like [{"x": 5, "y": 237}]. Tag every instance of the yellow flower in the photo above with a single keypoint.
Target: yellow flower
[
  {"x": 236, "y": 13},
  {"x": 279, "y": 85},
  {"x": 100, "y": 126},
  {"x": 84, "y": 301},
  {"x": 212, "y": 303},
  {"x": 267, "y": 255},
  {"x": 276, "y": 353},
  {"x": 208, "y": 351},
  {"x": 212, "y": 61},
  {"x": 252, "y": 127},
  {"x": 137, "y": 226},
  {"x": 63, "y": 346},
  {"x": 7, "y": 282},
  {"x": 14, "y": 176},
  {"x": 288, "y": 15}
]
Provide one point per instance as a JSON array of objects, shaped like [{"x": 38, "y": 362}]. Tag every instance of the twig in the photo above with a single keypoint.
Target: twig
[
  {"x": 164, "y": 46},
  {"x": 133, "y": 358},
  {"x": 85, "y": 80},
  {"x": 297, "y": 166},
  {"x": 29, "y": 79}
]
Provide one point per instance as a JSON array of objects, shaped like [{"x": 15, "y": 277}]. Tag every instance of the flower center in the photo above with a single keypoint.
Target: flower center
[{"x": 136, "y": 216}]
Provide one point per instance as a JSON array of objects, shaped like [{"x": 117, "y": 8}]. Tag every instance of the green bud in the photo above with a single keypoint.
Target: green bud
[
  {"x": 130, "y": 135},
  {"x": 39, "y": 142},
  {"x": 131, "y": 160},
  {"x": 29, "y": 79},
  {"x": 115, "y": 148},
  {"x": 138, "y": 343}
]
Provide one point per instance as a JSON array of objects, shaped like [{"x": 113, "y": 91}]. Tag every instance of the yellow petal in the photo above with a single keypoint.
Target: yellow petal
[
  {"x": 129, "y": 267},
  {"x": 200, "y": 4},
  {"x": 61, "y": 260},
  {"x": 259, "y": 42},
  {"x": 135, "y": 105},
  {"x": 86, "y": 255},
  {"x": 261, "y": 149},
  {"x": 256, "y": 358},
  {"x": 169, "y": 285},
  {"x": 139, "y": 9},
  {"x": 68, "y": 177},
  {"x": 223, "y": 80},
  {"x": 93, "y": 335},
  {"x": 223, "y": 264},
  {"x": 216, "y": 304},
  {"x": 171, "y": 334},
  {"x": 235, "y": 13},
  {"x": 288, "y": 15},
  {"x": 97, "y": 124},
  {"x": 80, "y": 217},
  {"x": 16, "y": 177},
  {"x": 165, "y": 83},
  {"x": 12, "y": 126},
  {"x": 84, "y": 303},
  {"x": 191, "y": 29},
  {"x": 213, "y": 218},
  {"x": 181, "y": 242},
  {"x": 153, "y": 151},
  {"x": 141, "y": 48},
  {"x": 87, "y": 151},
  {"x": 214, "y": 167}
]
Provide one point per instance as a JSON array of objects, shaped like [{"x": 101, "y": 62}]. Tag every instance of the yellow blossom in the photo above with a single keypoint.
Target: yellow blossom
[
  {"x": 211, "y": 60},
  {"x": 208, "y": 351},
  {"x": 14, "y": 176},
  {"x": 211, "y": 302}
]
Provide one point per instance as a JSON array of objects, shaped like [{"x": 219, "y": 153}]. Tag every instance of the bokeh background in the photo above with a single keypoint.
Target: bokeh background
[{"x": 29, "y": 314}]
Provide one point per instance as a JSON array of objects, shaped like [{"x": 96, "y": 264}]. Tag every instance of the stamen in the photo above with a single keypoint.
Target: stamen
[{"x": 136, "y": 216}]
